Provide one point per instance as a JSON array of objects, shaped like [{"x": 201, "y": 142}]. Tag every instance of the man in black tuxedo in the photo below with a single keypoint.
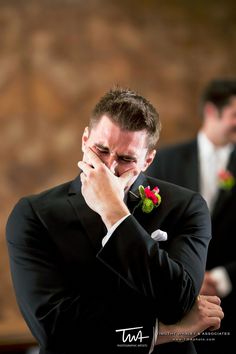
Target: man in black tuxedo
[
  {"x": 207, "y": 164},
  {"x": 92, "y": 271}
]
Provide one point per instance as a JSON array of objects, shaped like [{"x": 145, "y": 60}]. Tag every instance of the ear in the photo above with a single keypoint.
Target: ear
[
  {"x": 149, "y": 158},
  {"x": 210, "y": 110},
  {"x": 85, "y": 137}
]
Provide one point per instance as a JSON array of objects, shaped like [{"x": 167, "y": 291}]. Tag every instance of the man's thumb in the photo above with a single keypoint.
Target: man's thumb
[{"x": 128, "y": 175}]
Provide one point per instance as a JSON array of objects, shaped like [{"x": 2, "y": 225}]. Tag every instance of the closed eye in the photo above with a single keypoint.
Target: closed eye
[
  {"x": 123, "y": 159},
  {"x": 102, "y": 150},
  {"x": 126, "y": 159}
]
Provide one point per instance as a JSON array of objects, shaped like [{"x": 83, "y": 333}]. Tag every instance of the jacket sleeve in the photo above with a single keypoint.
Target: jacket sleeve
[
  {"x": 59, "y": 318},
  {"x": 171, "y": 277}
]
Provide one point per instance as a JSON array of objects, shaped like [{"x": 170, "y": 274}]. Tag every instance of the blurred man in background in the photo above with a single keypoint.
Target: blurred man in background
[{"x": 208, "y": 164}]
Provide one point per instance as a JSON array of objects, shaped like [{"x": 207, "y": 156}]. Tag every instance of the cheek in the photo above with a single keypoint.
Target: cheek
[
  {"x": 142, "y": 165},
  {"x": 228, "y": 123},
  {"x": 122, "y": 168},
  {"x": 88, "y": 145},
  {"x": 96, "y": 151},
  {"x": 103, "y": 157},
  {"x": 228, "y": 127}
]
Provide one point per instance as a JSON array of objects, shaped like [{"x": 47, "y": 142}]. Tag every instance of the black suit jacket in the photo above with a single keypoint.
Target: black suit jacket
[
  {"x": 74, "y": 294},
  {"x": 179, "y": 164}
]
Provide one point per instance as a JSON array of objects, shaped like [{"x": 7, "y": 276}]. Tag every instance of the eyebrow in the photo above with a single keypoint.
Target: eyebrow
[{"x": 131, "y": 157}]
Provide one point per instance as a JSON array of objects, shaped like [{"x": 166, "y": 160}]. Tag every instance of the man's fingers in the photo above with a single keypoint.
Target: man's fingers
[
  {"x": 210, "y": 298},
  {"x": 85, "y": 167},
  {"x": 210, "y": 306},
  {"x": 82, "y": 178},
  {"x": 92, "y": 157},
  {"x": 215, "y": 324},
  {"x": 216, "y": 312}
]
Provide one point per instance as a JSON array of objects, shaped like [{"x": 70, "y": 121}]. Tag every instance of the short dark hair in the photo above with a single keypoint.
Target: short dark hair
[
  {"x": 219, "y": 92},
  {"x": 130, "y": 111}
]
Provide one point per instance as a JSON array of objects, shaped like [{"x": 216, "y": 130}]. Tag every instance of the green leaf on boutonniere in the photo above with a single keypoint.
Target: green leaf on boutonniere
[{"x": 226, "y": 180}]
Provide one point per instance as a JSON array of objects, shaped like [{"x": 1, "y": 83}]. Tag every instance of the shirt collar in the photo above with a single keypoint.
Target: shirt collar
[{"x": 207, "y": 148}]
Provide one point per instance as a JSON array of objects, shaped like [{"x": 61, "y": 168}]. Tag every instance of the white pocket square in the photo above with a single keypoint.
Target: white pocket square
[{"x": 159, "y": 235}]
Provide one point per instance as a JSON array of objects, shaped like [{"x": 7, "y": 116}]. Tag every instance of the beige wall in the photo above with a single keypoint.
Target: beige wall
[{"x": 58, "y": 56}]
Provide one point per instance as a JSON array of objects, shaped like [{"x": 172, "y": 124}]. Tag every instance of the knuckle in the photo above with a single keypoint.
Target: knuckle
[
  {"x": 201, "y": 304},
  {"x": 90, "y": 174},
  {"x": 101, "y": 168}
]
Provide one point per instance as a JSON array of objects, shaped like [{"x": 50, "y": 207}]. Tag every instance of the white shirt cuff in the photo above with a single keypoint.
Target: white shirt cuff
[
  {"x": 154, "y": 339},
  {"x": 112, "y": 229},
  {"x": 223, "y": 282}
]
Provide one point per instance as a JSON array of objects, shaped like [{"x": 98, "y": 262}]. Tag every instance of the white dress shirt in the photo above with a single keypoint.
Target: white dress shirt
[{"x": 212, "y": 160}]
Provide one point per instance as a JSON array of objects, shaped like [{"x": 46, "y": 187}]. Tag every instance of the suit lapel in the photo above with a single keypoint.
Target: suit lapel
[
  {"x": 91, "y": 221},
  {"x": 224, "y": 195},
  {"x": 133, "y": 197}
]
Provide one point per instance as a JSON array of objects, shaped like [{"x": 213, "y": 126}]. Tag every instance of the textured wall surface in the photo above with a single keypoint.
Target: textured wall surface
[{"x": 57, "y": 57}]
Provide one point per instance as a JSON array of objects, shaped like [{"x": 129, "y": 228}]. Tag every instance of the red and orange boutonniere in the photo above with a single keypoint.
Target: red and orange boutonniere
[
  {"x": 226, "y": 180},
  {"x": 150, "y": 199}
]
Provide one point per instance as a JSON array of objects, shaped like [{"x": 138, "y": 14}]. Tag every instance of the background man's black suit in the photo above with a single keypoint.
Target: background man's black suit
[
  {"x": 179, "y": 164},
  {"x": 74, "y": 294}
]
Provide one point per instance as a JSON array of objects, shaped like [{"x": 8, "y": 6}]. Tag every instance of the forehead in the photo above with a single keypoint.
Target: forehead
[{"x": 107, "y": 133}]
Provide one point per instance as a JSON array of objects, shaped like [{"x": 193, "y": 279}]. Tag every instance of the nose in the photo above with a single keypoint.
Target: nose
[{"x": 112, "y": 163}]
